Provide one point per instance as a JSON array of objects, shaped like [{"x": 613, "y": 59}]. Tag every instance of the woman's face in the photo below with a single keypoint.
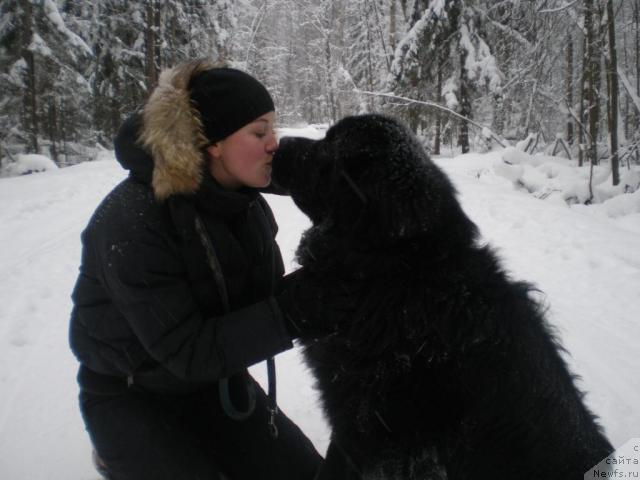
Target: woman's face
[{"x": 244, "y": 157}]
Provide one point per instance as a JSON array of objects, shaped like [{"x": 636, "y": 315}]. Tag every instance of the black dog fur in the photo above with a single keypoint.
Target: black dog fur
[{"x": 431, "y": 362}]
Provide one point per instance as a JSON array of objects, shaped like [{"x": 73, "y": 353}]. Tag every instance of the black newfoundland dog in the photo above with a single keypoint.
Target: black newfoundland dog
[{"x": 431, "y": 362}]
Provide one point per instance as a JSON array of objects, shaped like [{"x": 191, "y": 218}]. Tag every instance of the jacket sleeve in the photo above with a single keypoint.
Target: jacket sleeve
[{"x": 148, "y": 284}]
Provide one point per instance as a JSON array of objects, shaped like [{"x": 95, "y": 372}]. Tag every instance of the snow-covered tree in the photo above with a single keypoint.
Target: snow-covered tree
[
  {"x": 118, "y": 78},
  {"x": 73, "y": 70},
  {"x": 367, "y": 59},
  {"x": 42, "y": 65},
  {"x": 134, "y": 40},
  {"x": 444, "y": 57}
]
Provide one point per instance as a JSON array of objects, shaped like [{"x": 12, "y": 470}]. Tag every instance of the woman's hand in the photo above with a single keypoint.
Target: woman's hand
[{"x": 312, "y": 309}]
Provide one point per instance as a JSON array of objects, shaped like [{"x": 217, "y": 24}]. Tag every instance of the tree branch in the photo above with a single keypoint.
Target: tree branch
[
  {"x": 439, "y": 107},
  {"x": 559, "y": 9},
  {"x": 630, "y": 91},
  {"x": 503, "y": 28}
]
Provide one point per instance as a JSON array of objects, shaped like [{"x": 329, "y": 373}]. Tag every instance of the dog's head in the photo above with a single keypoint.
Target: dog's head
[{"x": 371, "y": 179}]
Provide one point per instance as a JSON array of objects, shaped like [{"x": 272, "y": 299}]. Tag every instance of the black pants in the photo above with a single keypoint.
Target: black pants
[
  {"x": 338, "y": 465},
  {"x": 146, "y": 436}
]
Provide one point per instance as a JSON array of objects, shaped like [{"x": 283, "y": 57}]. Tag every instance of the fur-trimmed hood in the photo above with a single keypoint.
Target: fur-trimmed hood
[{"x": 162, "y": 143}]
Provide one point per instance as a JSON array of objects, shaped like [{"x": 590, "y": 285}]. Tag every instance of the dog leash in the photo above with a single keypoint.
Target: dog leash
[{"x": 223, "y": 385}]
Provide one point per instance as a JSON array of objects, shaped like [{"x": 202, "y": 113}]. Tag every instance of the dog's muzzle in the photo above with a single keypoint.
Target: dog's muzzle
[{"x": 290, "y": 161}]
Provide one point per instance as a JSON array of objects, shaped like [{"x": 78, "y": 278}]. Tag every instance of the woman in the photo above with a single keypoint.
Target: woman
[{"x": 177, "y": 295}]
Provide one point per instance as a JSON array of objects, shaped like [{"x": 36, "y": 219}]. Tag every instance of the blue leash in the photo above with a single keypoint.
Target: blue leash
[{"x": 223, "y": 385}]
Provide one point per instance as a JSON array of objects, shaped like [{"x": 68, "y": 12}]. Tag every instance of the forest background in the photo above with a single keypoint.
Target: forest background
[{"x": 562, "y": 76}]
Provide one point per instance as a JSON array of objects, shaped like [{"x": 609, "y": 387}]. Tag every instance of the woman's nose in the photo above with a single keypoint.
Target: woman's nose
[{"x": 272, "y": 144}]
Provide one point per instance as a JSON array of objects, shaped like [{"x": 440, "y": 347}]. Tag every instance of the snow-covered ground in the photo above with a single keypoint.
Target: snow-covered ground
[
  {"x": 28, "y": 163},
  {"x": 586, "y": 261}
]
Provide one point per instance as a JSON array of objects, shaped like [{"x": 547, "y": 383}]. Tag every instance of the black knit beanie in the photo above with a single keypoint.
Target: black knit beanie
[{"x": 227, "y": 100}]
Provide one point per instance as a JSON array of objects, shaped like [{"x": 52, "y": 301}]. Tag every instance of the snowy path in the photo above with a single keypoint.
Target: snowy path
[
  {"x": 588, "y": 267},
  {"x": 41, "y": 435}
]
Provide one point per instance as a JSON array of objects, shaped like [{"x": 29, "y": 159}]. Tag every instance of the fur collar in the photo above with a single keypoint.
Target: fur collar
[{"x": 172, "y": 132}]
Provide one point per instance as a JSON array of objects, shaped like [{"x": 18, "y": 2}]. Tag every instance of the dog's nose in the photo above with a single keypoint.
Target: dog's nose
[{"x": 289, "y": 160}]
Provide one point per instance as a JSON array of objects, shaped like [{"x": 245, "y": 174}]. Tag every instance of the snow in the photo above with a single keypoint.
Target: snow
[
  {"x": 314, "y": 131},
  {"x": 449, "y": 94},
  {"x": 52, "y": 13},
  {"x": 28, "y": 163},
  {"x": 16, "y": 73},
  {"x": 584, "y": 258},
  {"x": 38, "y": 45},
  {"x": 523, "y": 144},
  {"x": 479, "y": 62},
  {"x": 557, "y": 178}
]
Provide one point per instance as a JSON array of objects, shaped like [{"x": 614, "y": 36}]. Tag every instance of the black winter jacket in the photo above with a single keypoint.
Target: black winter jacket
[{"x": 146, "y": 304}]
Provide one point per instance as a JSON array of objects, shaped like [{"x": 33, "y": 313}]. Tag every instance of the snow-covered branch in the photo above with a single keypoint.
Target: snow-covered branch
[
  {"x": 496, "y": 137},
  {"x": 627, "y": 86},
  {"x": 503, "y": 28},
  {"x": 559, "y": 9}
]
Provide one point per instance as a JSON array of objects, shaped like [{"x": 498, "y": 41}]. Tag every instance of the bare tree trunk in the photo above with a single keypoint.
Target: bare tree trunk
[
  {"x": 64, "y": 133},
  {"x": 436, "y": 140},
  {"x": 569, "y": 83},
  {"x": 330, "y": 92},
  {"x": 150, "y": 44},
  {"x": 627, "y": 112},
  {"x": 403, "y": 5},
  {"x": 583, "y": 99},
  {"x": 392, "y": 25},
  {"x": 53, "y": 131},
  {"x": 465, "y": 107},
  {"x": 370, "y": 73},
  {"x": 379, "y": 23},
  {"x": 114, "y": 106},
  {"x": 173, "y": 40},
  {"x": 30, "y": 99},
  {"x": 593, "y": 78},
  {"x": 291, "y": 100},
  {"x": 612, "y": 81},
  {"x": 636, "y": 18},
  {"x": 159, "y": 35}
]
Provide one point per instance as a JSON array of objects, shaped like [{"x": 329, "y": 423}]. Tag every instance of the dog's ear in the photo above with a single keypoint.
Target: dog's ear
[{"x": 390, "y": 189}]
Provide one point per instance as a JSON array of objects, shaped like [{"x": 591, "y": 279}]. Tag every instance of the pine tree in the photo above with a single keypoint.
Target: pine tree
[
  {"x": 43, "y": 64},
  {"x": 118, "y": 79},
  {"x": 367, "y": 54},
  {"x": 73, "y": 70},
  {"x": 445, "y": 45}
]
